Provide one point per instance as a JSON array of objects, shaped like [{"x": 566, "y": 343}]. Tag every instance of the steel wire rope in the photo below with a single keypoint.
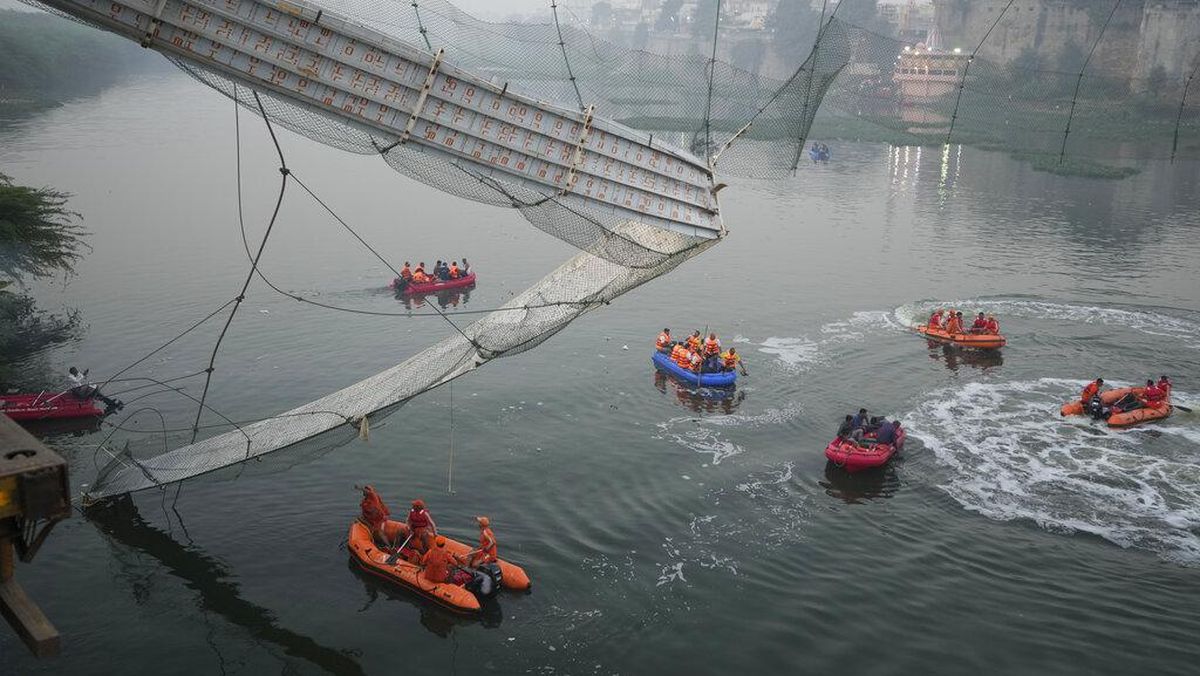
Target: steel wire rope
[
  {"x": 962, "y": 83},
  {"x": 712, "y": 72},
  {"x": 1079, "y": 82},
  {"x": 1182, "y": 102},
  {"x": 566, "y": 60},
  {"x": 808, "y": 85},
  {"x": 421, "y": 25}
]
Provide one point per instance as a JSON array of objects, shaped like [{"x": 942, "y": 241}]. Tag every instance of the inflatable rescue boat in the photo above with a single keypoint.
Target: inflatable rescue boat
[
  {"x": 48, "y": 406},
  {"x": 981, "y": 341},
  {"x": 411, "y": 289},
  {"x": 374, "y": 559},
  {"x": 1117, "y": 417},
  {"x": 855, "y": 458},
  {"x": 719, "y": 379}
]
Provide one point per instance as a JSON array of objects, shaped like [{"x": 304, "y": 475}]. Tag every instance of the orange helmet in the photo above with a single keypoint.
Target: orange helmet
[
  {"x": 440, "y": 541},
  {"x": 483, "y": 521}
]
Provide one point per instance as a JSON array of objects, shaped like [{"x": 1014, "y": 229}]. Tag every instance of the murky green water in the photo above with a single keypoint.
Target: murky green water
[{"x": 665, "y": 532}]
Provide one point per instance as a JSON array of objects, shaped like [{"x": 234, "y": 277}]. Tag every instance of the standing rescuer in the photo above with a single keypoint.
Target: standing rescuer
[
  {"x": 1092, "y": 389},
  {"x": 421, "y": 525},
  {"x": 374, "y": 514}
]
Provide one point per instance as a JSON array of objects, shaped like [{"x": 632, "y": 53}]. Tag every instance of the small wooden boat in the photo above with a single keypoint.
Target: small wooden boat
[
  {"x": 374, "y": 560},
  {"x": 982, "y": 341},
  {"x": 48, "y": 406},
  {"x": 411, "y": 289}
]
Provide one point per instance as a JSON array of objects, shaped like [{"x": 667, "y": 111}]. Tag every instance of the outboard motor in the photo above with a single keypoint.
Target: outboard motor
[
  {"x": 485, "y": 582},
  {"x": 1096, "y": 408}
]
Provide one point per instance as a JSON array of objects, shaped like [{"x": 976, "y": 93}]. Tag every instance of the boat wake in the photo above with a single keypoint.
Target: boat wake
[
  {"x": 1180, "y": 329},
  {"x": 1010, "y": 456},
  {"x": 702, "y": 434},
  {"x": 799, "y": 354}
]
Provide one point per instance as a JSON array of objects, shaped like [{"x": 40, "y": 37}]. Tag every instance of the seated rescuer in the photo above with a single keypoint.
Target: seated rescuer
[
  {"x": 1092, "y": 389},
  {"x": 980, "y": 324},
  {"x": 1164, "y": 384},
  {"x": 435, "y": 564},
  {"x": 935, "y": 319},
  {"x": 846, "y": 427},
  {"x": 993, "y": 326},
  {"x": 663, "y": 344},
  {"x": 421, "y": 525},
  {"x": 374, "y": 514},
  {"x": 886, "y": 434},
  {"x": 954, "y": 324},
  {"x": 678, "y": 353},
  {"x": 1152, "y": 395},
  {"x": 406, "y": 272},
  {"x": 693, "y": 341},
  {"x": 859, "y": 420},
  {"x": 487, "y": 550},
  {"x": 455, "y": 273},
  {"x": 419, "y": 275},
  {"x": 696, "y": 361}
]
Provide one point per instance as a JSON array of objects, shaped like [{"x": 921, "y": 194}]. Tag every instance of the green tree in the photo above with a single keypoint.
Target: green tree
[{"x": 39, "y": 236}]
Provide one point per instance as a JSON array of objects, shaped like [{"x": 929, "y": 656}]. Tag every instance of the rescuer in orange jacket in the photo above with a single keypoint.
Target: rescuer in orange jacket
[
  {"x": 935, "y": 319},
  {"x": 454, "y": 271},
  {"x": 993, "y": 326},
  {"x": 663, "y": 344},
  {"x": 712, "y": 346},
  {"x": 954, "y": 324},
  {"x": 374, "y": 514},
  {"x": 437, "y": 561},
  {"x": 693, "y": 341},
  {"x": 419, "y": 276},
  {"x": 406, "y": 272},
  {"x": 980, "y": 324},
  {"x": 487, "y": 551},
  {"x": 1092, "y": 389}
]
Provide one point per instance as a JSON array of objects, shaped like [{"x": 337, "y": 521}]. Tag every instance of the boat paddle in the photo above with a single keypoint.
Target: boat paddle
[
  {"x": 1185, "y": 409},
  {"x": 391, "y": 560}
]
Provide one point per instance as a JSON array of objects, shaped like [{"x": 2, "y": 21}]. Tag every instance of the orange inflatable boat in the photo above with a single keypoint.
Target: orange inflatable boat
[
  {"x": 1122, "y": 418},
  {"x": 374, "y": 560},
  {"x": 982, "y": 341}
]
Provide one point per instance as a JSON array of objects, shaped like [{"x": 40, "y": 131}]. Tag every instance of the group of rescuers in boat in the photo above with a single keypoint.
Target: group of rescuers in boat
[
  {"x": 951, "y": 321},
  {"x": 855, "y": 428},
  {"x": 424, "y": 547},
  {"x": 697, "y": 354},
  {"x": 442, "y": 272},
  {"x": 1152, "y": 396}
]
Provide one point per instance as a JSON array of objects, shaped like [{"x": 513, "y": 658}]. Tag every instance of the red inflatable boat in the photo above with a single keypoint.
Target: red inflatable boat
[
  {"x": 434, "y": 287},
  {"x": 855, "y": 458},
  {"x": 48, "y": 406}
]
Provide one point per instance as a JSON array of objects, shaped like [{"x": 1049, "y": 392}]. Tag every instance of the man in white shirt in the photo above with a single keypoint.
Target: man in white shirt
[{"x": 80, "y": 387}]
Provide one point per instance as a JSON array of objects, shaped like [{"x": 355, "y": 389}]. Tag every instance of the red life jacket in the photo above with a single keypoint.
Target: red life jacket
[
  {"x": 1090, "y": 391},
  {"x": 418, "y": 518},
  {"x": 980, "y": 323},
  {"x": 1153, "y": 394},
  {"x": 374, "y": 512},
  {"x": 993, "y": 326}
]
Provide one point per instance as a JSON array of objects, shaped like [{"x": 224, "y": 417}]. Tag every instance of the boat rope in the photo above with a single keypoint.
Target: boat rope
[
  {"x": 1079, "y": 81},
  {"x": 962, "y": 82},
  {"x": 421, "y": 26},
  {"x": 450, "y": 466}
]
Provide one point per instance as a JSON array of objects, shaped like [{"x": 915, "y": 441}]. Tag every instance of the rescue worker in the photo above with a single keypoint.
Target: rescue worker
[
  {"x": 1091, "y": 390},
  {"x": 685, "y": 359},
  {"x": 374, "y": 515},
  {"x": 693, "y": 341},
  {"x": 712, "y": 346},
  {"x": 845, "y": 428},
  {"x": 1164, "y": 384},
  {"x": 732, "y": 360},
  {"x": 80, "y": 387},
  {"x": 406, "y": 272},
  {"x": 454, "y": 271},
  {"x": 935, "y": 319},
  {"x": 421, "y": 525},
  {"x": 993, "y": 326},
  {"x": 980, "y": 324},
  {"x": 1152, "y": 396},
  {"x": 663, "y": 344},
  {"x": 677, "y": 353},
  {"x": 436, "y": 563},
  {"x": 954, "y": 324},
  {"x": 419, "y": 276},
  {"x": 486, "y": 553},
  {"x": 695, "y": 360}
]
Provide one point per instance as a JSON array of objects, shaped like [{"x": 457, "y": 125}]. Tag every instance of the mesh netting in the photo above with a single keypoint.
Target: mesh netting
[{"x": 1063, "y": 106}]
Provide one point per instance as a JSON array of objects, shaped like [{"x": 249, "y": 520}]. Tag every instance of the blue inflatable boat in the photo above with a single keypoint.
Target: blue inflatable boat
[{"x": 722, "y": 379}]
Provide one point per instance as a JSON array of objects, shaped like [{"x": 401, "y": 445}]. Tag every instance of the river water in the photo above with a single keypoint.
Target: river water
[{"x": 666, "y": 532}]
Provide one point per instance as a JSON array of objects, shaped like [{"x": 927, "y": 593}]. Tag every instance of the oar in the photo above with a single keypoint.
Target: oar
[
  {"x": 1185, "y": 409},
  {"x": 396, "y": 555}
]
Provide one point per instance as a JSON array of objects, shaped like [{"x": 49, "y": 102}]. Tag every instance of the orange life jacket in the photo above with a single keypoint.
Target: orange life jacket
[
  {"x": 684, "y": 358},
  {"x": 487, "y": 546},
  {"x": 993, "y": 326},
  {"x": 663, "y": 341},
  {"x": 437, "y": 564},
  {"x": 1090, "y": 391},
  {"x": 405, "y": 273},
  {"x": 731, "y": 359},
  {"x": 712, "y": 346},
  {"x": 693, "y": 342},
  {"x": 453, "y": 272},
  {"x": 954, "y": 325}
]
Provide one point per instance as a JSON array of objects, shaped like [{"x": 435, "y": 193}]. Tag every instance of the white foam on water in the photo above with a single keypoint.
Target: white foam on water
[
  {"x": 702, "y": 435},
  {"x": 1011, "y": 456},
  {"x": 1185, "y": 331},
  {"x": 801, "y": 353}
]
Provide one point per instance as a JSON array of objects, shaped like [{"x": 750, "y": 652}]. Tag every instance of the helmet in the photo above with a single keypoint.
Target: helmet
[
  {"x": 483, "y": 521},
  {"x": 418, "y": 504},
  {"x": 440, "y": 541}
]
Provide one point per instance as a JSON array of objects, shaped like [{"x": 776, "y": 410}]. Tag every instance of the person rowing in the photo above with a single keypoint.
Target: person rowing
[
  {"x": 732, "y": 360},
  {"x": 487, "y": 552},
  {"x": 980, "y": 324}
]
